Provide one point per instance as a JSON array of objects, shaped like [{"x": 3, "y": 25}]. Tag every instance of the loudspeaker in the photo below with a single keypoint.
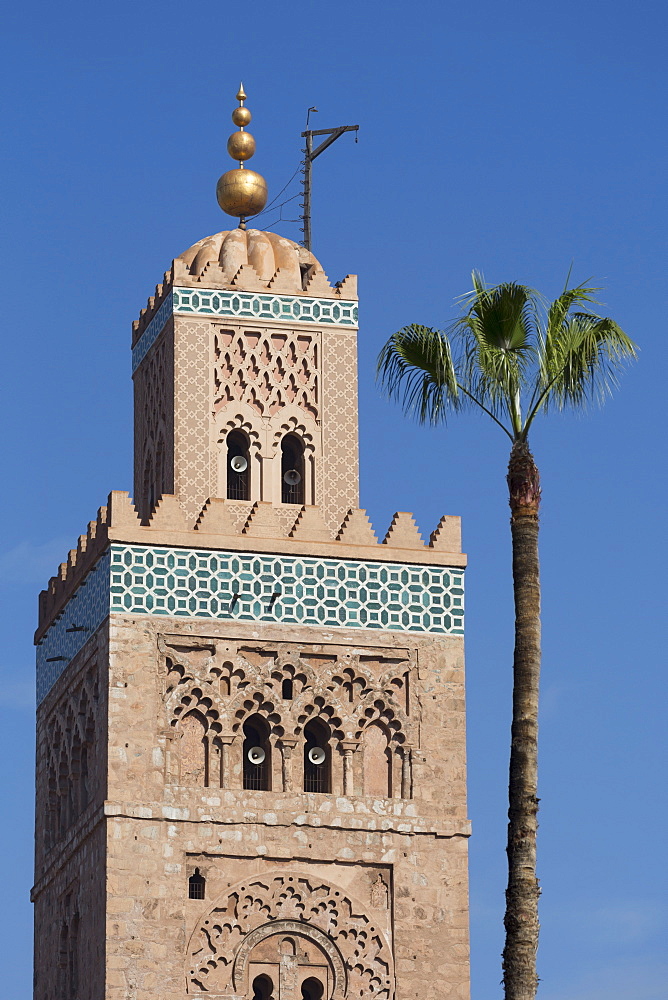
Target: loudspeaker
[
  {"x": 316, "y": 755},
  {"x": 239, "y": 463},
  {"x": 256, "y": 755},
  {"x": 292, "y": 477}
]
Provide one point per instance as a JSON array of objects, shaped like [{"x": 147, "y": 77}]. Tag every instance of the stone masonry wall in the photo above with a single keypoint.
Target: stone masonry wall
[
  {"x": 387, "y": 872},
  {"x": 70, "y": 842}
]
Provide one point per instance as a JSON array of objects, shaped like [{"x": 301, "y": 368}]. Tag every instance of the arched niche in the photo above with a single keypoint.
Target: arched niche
[
  {"x": 256, "y": 768},
  {"x": 293, "y": 484},
  {"x": 194, "y": 750},
  {"x": 377, "y": 761},
  {"x": 238, "y": 466},
  {"x": 317, "y": 772}
]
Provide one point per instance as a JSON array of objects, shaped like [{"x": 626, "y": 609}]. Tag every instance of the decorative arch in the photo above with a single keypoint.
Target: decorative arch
[
  {"x": 296, "y": 905},
  {"x": 293, "y": 427},
  {"x": 375, "y": 707},
  {"x": 317, "y": 741},
  {"x": 318, "y": 703},
  {"x": 196, "y": 722},
  {"x": 257, "y": 770},
  {"x": 377, "y": 761},
  {"x": 291, "y": 421},
  {"x": 255, "y": 702},
  {"x": 298, "y": 929},
  {"x": 293, "y": 484},
  {"x": 243, "y": 426},
  {"x": 196, "y": 698}
]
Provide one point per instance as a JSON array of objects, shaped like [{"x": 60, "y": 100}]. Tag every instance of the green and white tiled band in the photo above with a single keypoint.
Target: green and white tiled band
[
  {"x": 253, "y": 587},
  {"x": 244, "y": 305}
]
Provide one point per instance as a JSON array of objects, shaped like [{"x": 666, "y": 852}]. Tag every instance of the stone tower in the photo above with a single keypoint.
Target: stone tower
[{"x": 250, "y": 723}]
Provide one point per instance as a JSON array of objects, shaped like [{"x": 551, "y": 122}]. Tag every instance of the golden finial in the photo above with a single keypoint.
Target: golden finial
[{"x": 241, "y": 192}]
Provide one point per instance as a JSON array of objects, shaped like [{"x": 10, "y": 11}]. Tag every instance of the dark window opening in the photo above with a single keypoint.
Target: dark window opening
[
  {"x": 317, "y": 758},
  {"x": 238, "y": 467},
  {"x": 263, "y": 988},
  {"x": 286, "y": 689},
  {"x": 306, "y": 271},
  {"x": 196, "y": 885},
  {"x": 257, "y": 755},
  {"x": 292, "y": 470},
  {"x": 312, "y": 989}
]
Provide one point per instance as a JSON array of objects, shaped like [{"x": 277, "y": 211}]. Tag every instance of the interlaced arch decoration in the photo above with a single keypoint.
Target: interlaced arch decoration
[
  {"x": 266, "y": 370},
  {"x": 154, "y": 424},
  {"x": 295, "y": 904},
  {"x": 227, "y": 686},
  {"x": 71, "y": 778},
  {"x": 293, "y": 423},
  {"x": 241, "y": 423}
]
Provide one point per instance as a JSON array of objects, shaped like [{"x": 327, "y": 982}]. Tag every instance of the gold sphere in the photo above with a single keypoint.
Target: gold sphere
[
  {"x": 241, "y": 145},
  {"x": 241, "y": 192},
  {"x": 241, "y": 117}
]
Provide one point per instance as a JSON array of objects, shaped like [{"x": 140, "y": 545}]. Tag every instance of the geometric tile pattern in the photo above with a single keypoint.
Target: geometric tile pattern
[
  {"x": 339, "y": 483},
  {"x": 83, "y": 614},
  {"x": 235, "y": 586},
  {"x": 246, "y": 305},
  {"x": 152, "y": 332},
  {"x": 241, "y": 586},
  {"x": 267, "y": 371},
  {"x": 194, "y": 471}
]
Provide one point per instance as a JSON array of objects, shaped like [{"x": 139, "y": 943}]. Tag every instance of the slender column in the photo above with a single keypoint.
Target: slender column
[
  {"x": 348, "y": 748},
  {"x": 287, "y": 746},
  {"x": 225, "y": 743},
  {"x": 406, "y": 772}
]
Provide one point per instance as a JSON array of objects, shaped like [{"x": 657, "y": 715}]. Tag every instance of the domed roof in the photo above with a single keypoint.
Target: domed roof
[{"x": 266, "y": 253}]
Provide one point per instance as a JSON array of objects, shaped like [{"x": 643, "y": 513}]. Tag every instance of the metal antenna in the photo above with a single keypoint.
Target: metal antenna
[{"x": 310, "y": 155}]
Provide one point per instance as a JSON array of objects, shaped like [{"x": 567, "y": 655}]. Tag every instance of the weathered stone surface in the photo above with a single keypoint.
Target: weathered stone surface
[{"x": 158, "y": 811}]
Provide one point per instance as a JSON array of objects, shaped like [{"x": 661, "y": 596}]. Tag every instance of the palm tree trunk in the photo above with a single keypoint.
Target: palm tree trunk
[{"x": 521, "y": 920}]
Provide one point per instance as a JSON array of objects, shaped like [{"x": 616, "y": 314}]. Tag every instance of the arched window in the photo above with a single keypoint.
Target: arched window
[
  {"x": 292, "y": 470},
  {"x": 150, "y": 497},
  {"x": 238, "y": 467},
  {"x": 287, "y": 689},
  {"x": 194, "y": 750},
  {"x": 196, "y": 885},
  {"x": 377, "y": 762},
  {"x": 263, "y": 988},
  {"x": 312, "y": 989},
  {"x": 257, "y": 754},
  {"x": 317, "y": 757}
]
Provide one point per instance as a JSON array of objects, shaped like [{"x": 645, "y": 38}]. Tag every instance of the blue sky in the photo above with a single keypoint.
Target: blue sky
[{"x": 519, "y": 139}]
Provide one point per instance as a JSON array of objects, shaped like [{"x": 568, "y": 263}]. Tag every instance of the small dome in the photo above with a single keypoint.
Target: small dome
[{"x": 265, "y": 252}]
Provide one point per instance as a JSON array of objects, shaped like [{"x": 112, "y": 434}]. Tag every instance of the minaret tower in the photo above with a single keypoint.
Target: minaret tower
[{"x": 250, "y": 751}]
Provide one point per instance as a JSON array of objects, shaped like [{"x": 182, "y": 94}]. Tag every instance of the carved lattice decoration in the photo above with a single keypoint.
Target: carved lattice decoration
[
  {"x": 154, "y": 425},
  {"x": 212, "y": 689},
  {"x": 266, "y": 370},
  {"x": 229, "y": 685},
  {"x": 329, "y": 927},
  {"x": 72, "y": 767}
]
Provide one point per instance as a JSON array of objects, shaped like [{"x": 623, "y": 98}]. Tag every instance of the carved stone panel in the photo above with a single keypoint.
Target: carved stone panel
[{"x": 289, "y": 927}]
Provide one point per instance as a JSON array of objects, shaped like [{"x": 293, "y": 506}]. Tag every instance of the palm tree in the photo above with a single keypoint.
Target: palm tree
[{"x": 514, "y": 357}]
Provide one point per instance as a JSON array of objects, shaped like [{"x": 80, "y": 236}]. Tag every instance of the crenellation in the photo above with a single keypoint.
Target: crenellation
[
  {"x": 447, "y": 536},
  {"x": 71, "y": 573},
  {"x": 310, "y": 526},
  {"x": 217, "y": 527},
  {"x": 403, "y": 532}
]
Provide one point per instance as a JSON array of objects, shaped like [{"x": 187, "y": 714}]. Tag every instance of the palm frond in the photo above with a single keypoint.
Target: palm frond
[
  {"x": 416, "y": 368},
  {"x": 498, "y": 336},
  {"x": 509, "y": 353},
  {"x": 583, "y": 358}
]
